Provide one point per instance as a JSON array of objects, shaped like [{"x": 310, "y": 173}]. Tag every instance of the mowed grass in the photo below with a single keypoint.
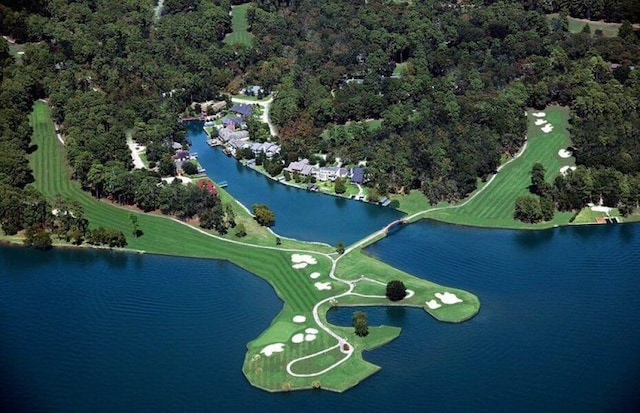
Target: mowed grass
[
  {"x": 494, "y": 206},
  {"x": 576, "y": 25},
  {"x": 240, "y": 25}
]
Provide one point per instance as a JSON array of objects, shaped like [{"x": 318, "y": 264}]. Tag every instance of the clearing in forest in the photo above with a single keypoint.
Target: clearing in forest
[{"x": 240, "y": 25}]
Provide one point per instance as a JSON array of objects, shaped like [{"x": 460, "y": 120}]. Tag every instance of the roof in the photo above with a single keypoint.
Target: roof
[
  {"x": 232, "y": 119},
  {"x": 357, "y": 175},
  {"x": 242, "y": 109}
]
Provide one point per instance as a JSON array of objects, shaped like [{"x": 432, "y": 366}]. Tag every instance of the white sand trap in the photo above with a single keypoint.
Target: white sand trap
[
  {"x": 309, "y": 337},
  {"x": 540, "y": 122},
  {"x": 311, "y": 331},
  {"x": 299, "y": 258},
  {"x": 539, "y": 114},
  {"x": 272, "y": 348},
  {"x": 433, "y": 304},
  {"x": 564, "y": 169},
  {"x": 314, "y": 275},
  {"x": 299, "y": 319},
  {"x": 297, "y": 338},
  {"x": 547, "y": 128},
  {"x": 410, "y": 293},
  {"x": 299, "y": 265},
  {"x": 563, "y": 153},
  {"x": 323, "y": 286},
  {"x": 448, "y": 298}
]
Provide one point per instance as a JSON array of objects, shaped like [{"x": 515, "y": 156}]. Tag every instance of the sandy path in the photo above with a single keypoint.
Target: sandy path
[{"x": 135, "y": 153}]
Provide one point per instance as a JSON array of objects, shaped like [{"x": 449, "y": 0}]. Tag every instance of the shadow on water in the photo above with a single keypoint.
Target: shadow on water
[{"x": 533, "y": 239}]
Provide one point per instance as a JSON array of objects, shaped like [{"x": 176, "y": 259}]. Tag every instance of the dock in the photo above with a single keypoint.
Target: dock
[{"x": 223, "y": 184}]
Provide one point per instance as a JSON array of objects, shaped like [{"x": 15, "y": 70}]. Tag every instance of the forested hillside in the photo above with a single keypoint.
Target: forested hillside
[{"x": 450, "y": 82}]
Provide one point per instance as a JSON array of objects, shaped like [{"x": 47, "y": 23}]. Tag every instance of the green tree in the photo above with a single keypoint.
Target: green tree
[
  {"x": 240, "y": 231},
  {"x": 527, "y": 209},
  {"x": 135, "y": 225},
  {"x": 360, "y": 323},
  {"x": 339, "y": 186},
  {"x": 396, "y": 290},
  {"x": 189, "y": 168},
  {"x": 263, "y": 215},
  {"x": 340, "y": 248},
  {"x": 538, "y": 184}
]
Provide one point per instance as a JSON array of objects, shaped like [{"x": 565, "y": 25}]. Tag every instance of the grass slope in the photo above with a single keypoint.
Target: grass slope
[
  {"x": 294, "y": 287},
  {"x": 494, "y": 206},
  {"x": 240, "y": 34}
]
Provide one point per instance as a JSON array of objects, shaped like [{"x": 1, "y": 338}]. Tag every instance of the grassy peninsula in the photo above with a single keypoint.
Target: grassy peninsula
[{"x": 300, "y": 349}]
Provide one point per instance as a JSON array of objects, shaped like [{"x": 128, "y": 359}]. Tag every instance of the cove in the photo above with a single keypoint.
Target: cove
[
  {"x": 300, "y": 214},
  {"x": 108, "y": 331}
]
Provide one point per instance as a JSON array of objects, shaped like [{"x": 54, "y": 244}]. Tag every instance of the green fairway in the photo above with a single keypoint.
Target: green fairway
[
  {"x": 240, "y": 25},
  {"x": 493, "y": 206},
  {"x": 313, "y": 349}
]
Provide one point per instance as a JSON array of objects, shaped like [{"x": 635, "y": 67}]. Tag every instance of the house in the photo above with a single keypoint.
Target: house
[
  {"x": 242, "y": 109},
  {"x": 208, "y": 185},
  {"x": 181, "y": 156},
  {"x": 357, "y": 175},
  {"x": 302, "y": 167},
  {"x": 176, "y": 146},
  {"x": 270, "y": 149},
  {"x": 330, "y": 173},
  {"x": 228, "y": 134},
  {"x": 233, "y": 120}
]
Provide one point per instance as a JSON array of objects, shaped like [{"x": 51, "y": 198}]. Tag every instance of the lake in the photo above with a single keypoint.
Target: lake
[
  {"x": 300, "y": 214},
  {"x": 558, "y": 331}
]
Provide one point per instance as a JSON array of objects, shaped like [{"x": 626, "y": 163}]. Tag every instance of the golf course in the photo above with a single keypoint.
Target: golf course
[{"x": 300, "y": 349}]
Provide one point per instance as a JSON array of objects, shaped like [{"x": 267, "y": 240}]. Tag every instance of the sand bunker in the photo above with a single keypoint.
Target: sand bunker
[
  {"x": 311, "y": 331},
  {"x": 299, "y": 319},
  {"x": 300, "y": 258},
  {"x": 547, "y": 128},
  {"x": 563, "y": 153},
  {"x": 300, "y": 265},
  {"x": 272, "y": 348},
  {"x": 297, "y": 338},
  {"x": 564, "y": 169},
  {"x": 539, "y": 114},
  {"x": 540, "y": 122},
  {"x": 433, "y": 304},
  {"x": 448, "y": 298},
  {"x": 309, "y": 337},
  {"x": 410, "y": 293},
  {"x": 323, "y": 286},
  {"x": 314, "y": 275}
]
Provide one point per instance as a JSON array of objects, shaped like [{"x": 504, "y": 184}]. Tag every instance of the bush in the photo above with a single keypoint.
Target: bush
[{"x": 189, "y": 168}]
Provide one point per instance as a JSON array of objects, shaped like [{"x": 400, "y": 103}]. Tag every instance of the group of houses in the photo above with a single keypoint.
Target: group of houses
[
  {"x": 232, "y": 133},
  {"x": 326, "y": 173}
]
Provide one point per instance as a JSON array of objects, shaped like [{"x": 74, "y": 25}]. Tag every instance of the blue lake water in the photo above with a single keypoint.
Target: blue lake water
[
  {"x": 559, "y": 329},
  {"x": 299, "y": 213}
]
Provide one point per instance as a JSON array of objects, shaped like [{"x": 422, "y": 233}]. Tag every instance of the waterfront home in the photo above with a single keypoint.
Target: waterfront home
[
  {"x": 176, "y": 146},
  {"x": 357, "y": 175},
  {"x": 270, "y": 149},
  {"x": 229, "y": 134},
  {"x": 302, "y": 167},
  {"x": 330, "y": 173}
]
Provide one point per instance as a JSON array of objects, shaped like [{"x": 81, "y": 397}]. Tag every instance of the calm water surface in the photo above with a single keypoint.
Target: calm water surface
[
  {"x": 559, "y": 329},
  {"x": 299, "y": 214}
]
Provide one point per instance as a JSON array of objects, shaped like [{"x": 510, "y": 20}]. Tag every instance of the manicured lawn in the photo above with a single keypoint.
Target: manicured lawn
[
  {"x": 494, "y": 206},
  {"x": 240, "y": 25},
  {"x": 412, "y": 203}
]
